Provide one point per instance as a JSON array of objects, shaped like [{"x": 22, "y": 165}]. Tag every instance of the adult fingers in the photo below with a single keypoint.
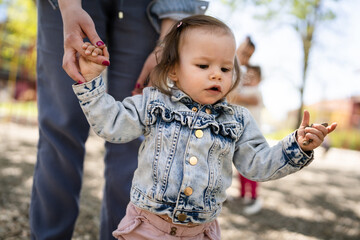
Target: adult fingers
[
  {"x": 70, "y": 66},
  {"x": 89, "y": 30}
]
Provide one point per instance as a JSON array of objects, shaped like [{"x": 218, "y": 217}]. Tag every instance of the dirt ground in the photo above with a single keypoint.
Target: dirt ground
[{"x": 320, "y": 202}]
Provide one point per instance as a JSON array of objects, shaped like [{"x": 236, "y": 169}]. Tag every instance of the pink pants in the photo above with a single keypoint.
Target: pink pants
[
  {"x": 246, "y": 185},
  {"x": 139, "y": 224}
]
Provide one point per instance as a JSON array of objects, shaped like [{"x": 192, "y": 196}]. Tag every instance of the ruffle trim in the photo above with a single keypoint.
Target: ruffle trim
[{"x": 226, "y": 129}]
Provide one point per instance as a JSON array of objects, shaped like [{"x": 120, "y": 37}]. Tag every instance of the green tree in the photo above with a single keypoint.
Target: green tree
[
  {"x": 305, "y": 16},
  {"x": 18, "y": 39}
]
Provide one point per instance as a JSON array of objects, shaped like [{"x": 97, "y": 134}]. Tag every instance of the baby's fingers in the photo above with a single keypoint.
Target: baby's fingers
[
  {"x": 313, "y": 133},
  {"x": 97, "y": 51},
  {"x": 313, "y": 139},
  {"x": 96, "y": 54},
  {"x": 89, "y": 50},
  {"x": 331, "y": 127},
  {"x": 318, "y": 129},
  {"x": 85, "y": 45}
]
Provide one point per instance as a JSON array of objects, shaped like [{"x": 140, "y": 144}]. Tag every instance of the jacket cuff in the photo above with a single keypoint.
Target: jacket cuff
[
  {"x": 88, "y": 90},
  {"x": 174, "y": 9},
  {"x": 295, "y": 155}
]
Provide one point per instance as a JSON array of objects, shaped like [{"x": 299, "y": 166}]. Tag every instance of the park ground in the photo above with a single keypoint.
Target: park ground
[{"x": 320, "y": 202}]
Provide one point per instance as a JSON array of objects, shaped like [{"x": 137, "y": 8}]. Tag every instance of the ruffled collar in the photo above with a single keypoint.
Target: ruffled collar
[{"x": 221, "y": 106}]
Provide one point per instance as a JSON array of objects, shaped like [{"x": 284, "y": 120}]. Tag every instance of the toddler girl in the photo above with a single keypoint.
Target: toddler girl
[{"x": 192, "y": 135}]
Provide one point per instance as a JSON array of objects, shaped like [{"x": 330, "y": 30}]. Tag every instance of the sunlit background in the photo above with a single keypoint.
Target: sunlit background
[
  {"x": 321, "y": 202},
  {"x": 334, "y": 68},
  {"x": 331, "y": 88}
]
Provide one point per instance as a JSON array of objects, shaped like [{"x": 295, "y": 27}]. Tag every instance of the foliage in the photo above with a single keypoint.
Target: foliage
[
  {"x": 18, "y": 37},
  {"x": 278, "y": 135},
  {"x": 303, "y": 15},
  {"x": 345, "y": 139}
]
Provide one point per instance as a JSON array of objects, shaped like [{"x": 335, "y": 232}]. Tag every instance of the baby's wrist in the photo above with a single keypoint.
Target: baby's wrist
[{"x": 89, "y": 77}]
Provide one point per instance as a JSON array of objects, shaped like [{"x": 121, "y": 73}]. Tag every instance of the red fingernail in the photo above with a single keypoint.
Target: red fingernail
[
  {"x": 100, "y": 43},
  {"x": 106, "y": 63},
  {"x": 80, "y": 82},
  {"x": 137, "y": 85}
]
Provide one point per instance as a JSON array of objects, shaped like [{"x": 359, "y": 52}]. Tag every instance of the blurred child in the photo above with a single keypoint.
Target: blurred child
[
  {"x": 248, "y": 95},
  {"x": 192, "y": 135}
]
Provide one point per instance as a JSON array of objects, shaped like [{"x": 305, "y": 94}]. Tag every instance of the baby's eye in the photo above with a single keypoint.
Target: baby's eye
[
  {"x": 203, "y": 66},
  {"x": 225, "y": 69}
]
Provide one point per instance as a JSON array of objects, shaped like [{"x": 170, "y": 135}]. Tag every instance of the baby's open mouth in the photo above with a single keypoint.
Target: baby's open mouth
[{"x": 215, "y": 88}]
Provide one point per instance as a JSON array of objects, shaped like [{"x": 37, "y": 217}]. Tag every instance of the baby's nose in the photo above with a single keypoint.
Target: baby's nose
[{"x": 216, "y": 75}]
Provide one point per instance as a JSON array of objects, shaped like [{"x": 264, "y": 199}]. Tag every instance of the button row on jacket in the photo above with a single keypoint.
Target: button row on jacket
[
  {"x": 188, "y": 191},
  {"x": 182, "y": 217},
  {"x": 199, "y": 133},
  {"x": 193, "y": 160},
  {"x": 195, "y": 109}
]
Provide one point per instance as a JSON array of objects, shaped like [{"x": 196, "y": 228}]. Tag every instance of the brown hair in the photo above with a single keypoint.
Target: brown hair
[{"x": 170, "y": 49}]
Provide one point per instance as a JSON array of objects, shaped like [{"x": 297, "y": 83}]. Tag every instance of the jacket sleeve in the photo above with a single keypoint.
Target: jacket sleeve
[
  {"x": 256, "y": 160},
  {"x": 114, "y": 121},
  {"x": 174, "y": 9}
]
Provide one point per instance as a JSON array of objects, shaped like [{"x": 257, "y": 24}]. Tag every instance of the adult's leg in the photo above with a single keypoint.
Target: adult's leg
[
  {"x": 63, "y": 131},
  {"x": 130, "y": 41}
]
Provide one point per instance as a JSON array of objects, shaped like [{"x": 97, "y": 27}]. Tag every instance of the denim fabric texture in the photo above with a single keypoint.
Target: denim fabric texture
[
  {"x": 166, "y": 167},
  {"x": 174, "y": 9}
]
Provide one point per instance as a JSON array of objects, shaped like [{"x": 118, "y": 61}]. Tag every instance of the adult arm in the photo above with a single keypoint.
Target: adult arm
[
  {"x": 162, "y": 15},
  {"x": 151, "y": 60}
]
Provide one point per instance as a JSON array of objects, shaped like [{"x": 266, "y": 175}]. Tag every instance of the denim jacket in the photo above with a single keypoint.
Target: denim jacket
[
  {"x": 159, "y": 9},
  {"x": 185, "y": 161}
]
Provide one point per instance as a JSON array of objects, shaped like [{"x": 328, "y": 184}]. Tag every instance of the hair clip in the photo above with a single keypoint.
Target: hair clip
[{"x": 179, "y": 24}]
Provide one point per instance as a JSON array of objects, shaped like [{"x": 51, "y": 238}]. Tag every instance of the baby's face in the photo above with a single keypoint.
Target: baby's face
[
  {"x": 251, "y": 78},
  {"x": 206, "y": 66}
]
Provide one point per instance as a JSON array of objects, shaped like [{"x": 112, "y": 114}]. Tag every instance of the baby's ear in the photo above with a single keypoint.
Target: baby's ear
[{"x": 172, "y": 74}]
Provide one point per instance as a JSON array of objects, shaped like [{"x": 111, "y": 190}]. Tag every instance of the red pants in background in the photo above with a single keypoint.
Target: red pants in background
[{"x": 247, "y": 185}]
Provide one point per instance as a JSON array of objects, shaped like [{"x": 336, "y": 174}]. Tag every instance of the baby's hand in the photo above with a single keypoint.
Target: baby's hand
[
  {"x": 88, "y": 68},
  {"x": 310, "y": 137},
  {"x": 91, "y": 49}
]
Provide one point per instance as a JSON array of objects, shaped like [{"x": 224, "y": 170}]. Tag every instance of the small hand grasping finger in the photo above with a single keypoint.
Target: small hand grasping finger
[{"x": 91, "y": 49}]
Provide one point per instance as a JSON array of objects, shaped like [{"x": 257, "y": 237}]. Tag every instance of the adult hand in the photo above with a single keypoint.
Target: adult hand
[
  {"x": 152, "y": 60},
  {"x": 143, "y": 80},
  {"x": 78, "y": 25}
]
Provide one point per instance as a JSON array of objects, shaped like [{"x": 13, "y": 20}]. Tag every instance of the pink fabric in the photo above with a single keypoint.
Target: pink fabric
[
  {"x": 246, "y": 185},
  {"x": 139, "y": 224}
]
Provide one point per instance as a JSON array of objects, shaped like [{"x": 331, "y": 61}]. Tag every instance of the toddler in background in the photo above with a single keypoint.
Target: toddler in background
[{"x": 248, "y": 95}]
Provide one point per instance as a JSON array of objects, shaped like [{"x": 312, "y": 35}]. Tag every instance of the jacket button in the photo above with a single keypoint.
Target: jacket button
[
  {"x": 193, "y": 160},
  {"x": 173, "y": 231},
  {"x": 199, "y": 133},
  {"x": 208, "y": 111},
  {"x": 182, "y": 217},
  {"x": 194, "y": 109},
  {"x": 188, "y": 191}
]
